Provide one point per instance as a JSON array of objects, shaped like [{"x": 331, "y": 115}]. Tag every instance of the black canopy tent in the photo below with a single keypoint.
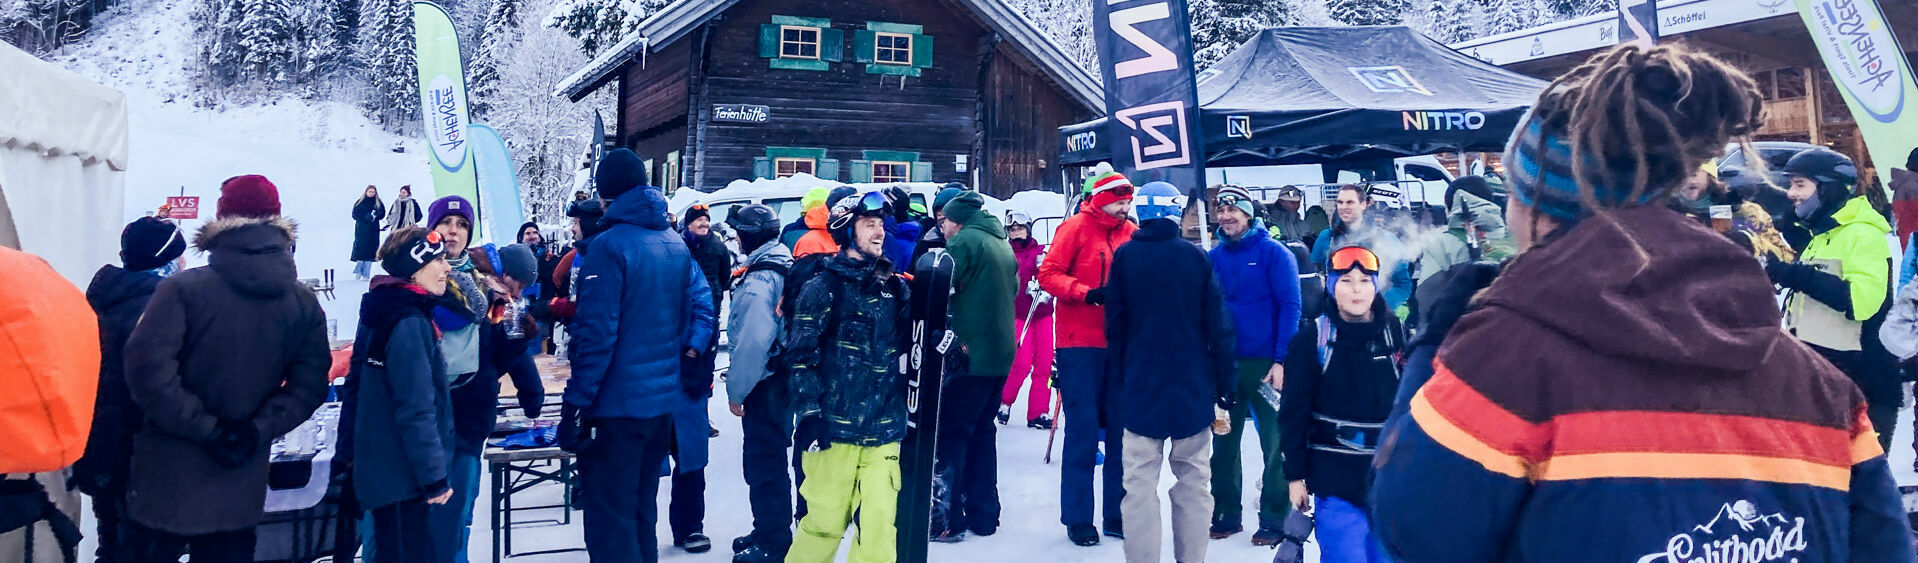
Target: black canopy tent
[{"x": 1306, "y": 95}]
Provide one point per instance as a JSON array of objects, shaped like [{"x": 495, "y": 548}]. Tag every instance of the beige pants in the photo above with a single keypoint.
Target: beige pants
[{"x": 1191, "y": 461}]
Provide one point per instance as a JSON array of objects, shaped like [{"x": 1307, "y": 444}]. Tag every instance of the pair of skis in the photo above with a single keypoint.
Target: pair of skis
[{"x": 925, "y": 374}]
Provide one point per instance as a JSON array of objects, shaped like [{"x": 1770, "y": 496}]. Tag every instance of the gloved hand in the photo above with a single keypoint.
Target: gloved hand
[
  {"x": 1779, "y": 271},
  {"x": 810, "y": 435},
  {"x": 901, "y": 202},
  {"x": 571, "y": 435},
  {"x": 234, "y": 443},
  {"x": 1225, "y": 403},
  {"x": 1096, "y": 296}
]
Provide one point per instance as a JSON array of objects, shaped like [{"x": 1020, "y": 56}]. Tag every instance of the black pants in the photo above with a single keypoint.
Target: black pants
[
  {"x": 968, "y": 457},
  {"x": 109, "y": 512},
  {"x": 146, "y": 545},
  {"x": 405, "y": 533},
  {"x": 688, "y": 511},
  {"x": 619, "y": 487},
  {"x": 1879, "y": 383},
  {"x": 767, "y": 433}
]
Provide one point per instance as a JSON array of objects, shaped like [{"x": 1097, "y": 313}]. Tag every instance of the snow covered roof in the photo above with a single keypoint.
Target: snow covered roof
[
  {"x": 679, "y": 18},
  {"x": 56, "y": 112}
]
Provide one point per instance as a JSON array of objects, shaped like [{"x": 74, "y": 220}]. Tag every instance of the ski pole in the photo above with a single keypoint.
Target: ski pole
[{"x": 1054, "y": 431}]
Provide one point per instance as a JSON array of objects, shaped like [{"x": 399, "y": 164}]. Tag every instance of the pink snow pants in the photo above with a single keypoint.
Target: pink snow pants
[{"x": 1034, "y": 359}]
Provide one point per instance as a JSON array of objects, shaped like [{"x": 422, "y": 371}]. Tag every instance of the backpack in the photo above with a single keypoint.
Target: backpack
[{"x": 50, "y": 369}]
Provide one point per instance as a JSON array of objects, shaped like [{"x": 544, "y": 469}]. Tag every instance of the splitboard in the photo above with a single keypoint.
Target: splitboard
[{"x": 931, "y": 292}]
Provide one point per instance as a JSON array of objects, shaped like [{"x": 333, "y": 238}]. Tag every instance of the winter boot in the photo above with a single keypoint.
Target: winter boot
[
  {"x": 1041, "y": 423},
  {"x": 696, "y": 543},
  {"x": 1115, "y": 529},
  {"x": 742, "y": 543},
  {"x": 1265, "y": 537},
  {"x": 758, "y": 554},
  {"x": 1223, "y": 530},
  {"x": 1083, "y": 535},
  {"x": 1005, "y": 414},
  {"x": 949, "y": 536}
]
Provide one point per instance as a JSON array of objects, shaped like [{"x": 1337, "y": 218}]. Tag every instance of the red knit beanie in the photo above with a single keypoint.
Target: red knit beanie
[{"x": 251, "y": 195}]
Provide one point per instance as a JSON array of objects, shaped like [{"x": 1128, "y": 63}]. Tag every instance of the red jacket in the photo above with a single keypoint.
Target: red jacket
[{"x": 1078, "y": 261}]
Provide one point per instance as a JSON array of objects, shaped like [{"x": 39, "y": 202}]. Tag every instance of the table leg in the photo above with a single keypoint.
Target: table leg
[{"x": 499, "y": 496}]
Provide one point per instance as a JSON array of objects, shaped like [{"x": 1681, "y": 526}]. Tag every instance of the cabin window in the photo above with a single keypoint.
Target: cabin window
[
  {"x": 885, "y": 172},
  {"x": 796, "y": 42},
  {"x": 892, "y": 49},
  {"x": 783, "y": 167}
]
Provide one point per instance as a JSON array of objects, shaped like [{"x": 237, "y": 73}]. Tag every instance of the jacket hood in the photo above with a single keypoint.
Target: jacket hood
[
  {"x": 1903, "y": 177},
  {"x": 643, "y": 207},
  {"x": 1649, "y": 284},
  {"x": 816, "y": 218},
  {"x": 986, "y": 224},
  {"x": 253, "y": 254},
  {"x": 113, "y": 285},
  {"x": 389, "y": 297},
  {"x": 1468, "y": 208},
  {"x": 771, "y": 253},
  {"x": 1859, "y": 212}
]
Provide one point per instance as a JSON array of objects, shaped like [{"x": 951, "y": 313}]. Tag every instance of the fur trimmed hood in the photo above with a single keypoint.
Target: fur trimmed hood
[{"x": 203, "y": 240}]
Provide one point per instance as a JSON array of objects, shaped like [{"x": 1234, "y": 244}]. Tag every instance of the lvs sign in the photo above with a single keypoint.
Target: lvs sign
[{"x": 1146, "y": 55}]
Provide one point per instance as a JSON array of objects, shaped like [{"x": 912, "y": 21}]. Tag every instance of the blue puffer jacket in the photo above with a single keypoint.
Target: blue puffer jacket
[
  {"x": 1261, "y": 283},
  {"x": 642, "y": 303}
]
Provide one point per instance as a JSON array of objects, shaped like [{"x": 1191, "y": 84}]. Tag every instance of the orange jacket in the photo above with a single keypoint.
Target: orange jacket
[
  {"x": 49, "y": 372},
  {"x": 817, "y": 239},
  {"x": 1077, "y": 262}
]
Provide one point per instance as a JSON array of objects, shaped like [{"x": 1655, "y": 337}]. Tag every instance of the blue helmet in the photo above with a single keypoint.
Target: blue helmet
[{"x": 1158, "y": 200}]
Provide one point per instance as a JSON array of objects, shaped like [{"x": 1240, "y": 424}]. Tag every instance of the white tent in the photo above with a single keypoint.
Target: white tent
[{"x": 63, "y": 160}]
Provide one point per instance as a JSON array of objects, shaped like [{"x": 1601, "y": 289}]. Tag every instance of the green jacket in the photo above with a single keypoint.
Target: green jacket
[
  {"x": 1855, "y": 250},
  {"x": 985, "y": 280}
]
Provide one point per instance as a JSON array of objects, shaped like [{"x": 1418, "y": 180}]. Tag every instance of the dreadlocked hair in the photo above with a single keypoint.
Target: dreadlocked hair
[{"x": 1659, "y": 112}]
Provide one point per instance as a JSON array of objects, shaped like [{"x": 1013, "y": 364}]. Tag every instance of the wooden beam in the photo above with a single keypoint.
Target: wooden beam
[
  {"x": 1794, "y": 51},
  {"x": 1816, "y": 114}
]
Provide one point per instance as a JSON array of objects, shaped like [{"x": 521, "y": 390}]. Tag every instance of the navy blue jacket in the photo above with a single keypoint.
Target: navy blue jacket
[
  {"x": 402, "y": 424},
  {"x": 1168, "y": 339},
  {"x": 642, "y": 303},
  {"x": 1260, "y": 278}
]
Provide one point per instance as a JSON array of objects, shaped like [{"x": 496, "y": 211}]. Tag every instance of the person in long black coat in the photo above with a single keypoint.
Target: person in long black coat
[{"x": 367, "y": 215}]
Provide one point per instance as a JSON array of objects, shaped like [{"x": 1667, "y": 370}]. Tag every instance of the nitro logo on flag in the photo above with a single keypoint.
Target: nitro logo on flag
[
  {"x": 446, "y": 122},
  {"x": 1388, "y": 79},
  {"x": 1145, "y": 51},
  {"x": 1859, "y": 47}
]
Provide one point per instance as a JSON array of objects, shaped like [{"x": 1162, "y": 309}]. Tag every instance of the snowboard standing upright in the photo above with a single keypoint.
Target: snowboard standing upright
[{"x": 931, "y": 292}]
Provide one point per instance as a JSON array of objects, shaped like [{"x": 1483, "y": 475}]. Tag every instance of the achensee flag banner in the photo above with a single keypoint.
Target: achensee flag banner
[
  {"x": 443, "y": 105},
  {"x": 1145, "y": 54},
  {"x": 1870, "y": 70}
]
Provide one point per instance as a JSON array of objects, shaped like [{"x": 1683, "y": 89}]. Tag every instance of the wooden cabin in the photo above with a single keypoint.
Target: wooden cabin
[{"x": 712, "y": 91}]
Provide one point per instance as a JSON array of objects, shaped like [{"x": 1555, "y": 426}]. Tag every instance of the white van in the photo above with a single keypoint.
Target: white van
[
  {"x": 784, "y": 194},
  {"x": 1420, "y": 179}
]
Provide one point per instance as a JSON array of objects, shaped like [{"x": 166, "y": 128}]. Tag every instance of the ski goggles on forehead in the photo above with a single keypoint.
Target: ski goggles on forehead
[
  {"x": 1354, "y": 257},
  {"x": 1228, "y": 200},
  {"x": 428, "y": 249}
]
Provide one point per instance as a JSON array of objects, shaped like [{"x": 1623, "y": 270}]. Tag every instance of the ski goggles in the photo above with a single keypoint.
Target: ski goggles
[
  {"x": 1353, "y": 257},
  {"x": 867, "y": 204},
  {"x": 429, "y": 248}
]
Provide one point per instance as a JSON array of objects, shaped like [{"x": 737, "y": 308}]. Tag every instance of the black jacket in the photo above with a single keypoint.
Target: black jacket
[
  {"x": 715, "y": 261},
  {"x": 843, "y": 344},
  {"x": 1169, "y": 341},
  {"x": 367, "y": 215},
  {"x": 238, "y": 340},
  {"x": 118, "y": 297},
  {"x": 402, "y": 422},
  {"x": 1353, "y": 377}
]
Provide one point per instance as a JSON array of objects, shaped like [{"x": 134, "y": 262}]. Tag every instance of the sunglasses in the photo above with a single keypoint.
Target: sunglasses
[{"x": 1354, "y": 257}]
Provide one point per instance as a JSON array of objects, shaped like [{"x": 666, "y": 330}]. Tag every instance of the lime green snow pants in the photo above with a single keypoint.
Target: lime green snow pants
[{"x": 842, "y": 480}]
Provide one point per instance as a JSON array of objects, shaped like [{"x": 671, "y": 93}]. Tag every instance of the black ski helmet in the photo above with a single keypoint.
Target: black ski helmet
[
  {"x": 847, "y": 209},
  {"x": 754, "y": 219},
  {"x": 589, "y": 212},
  {"x": 1824, "y": 166}
]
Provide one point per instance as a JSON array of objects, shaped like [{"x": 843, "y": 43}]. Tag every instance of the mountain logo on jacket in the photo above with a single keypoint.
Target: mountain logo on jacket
[{"x": 1737, "y": 533}]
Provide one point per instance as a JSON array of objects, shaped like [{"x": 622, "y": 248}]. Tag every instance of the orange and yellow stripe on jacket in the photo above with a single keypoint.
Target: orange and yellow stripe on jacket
[{"x": 1638, "y": 443}]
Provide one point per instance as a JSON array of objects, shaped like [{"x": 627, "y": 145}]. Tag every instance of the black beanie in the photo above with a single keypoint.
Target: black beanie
[
  {"x": 149, "y": 243},
  {"x": 422, "y": 247},
  {"x": 619, "y": 172},
  {"x": 520, "y": 236},
  {"x": 692, "y": 213}
]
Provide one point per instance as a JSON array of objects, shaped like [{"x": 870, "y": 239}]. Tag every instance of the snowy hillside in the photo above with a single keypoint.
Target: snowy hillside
[{"x": 320, "y": 154}]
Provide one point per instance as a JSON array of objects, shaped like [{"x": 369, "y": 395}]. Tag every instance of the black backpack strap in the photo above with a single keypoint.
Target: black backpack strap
[{"x": 23, "y": 503}]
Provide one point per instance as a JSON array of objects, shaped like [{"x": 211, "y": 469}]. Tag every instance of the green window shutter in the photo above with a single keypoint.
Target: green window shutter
[
  {"x": 861, "y": 171},
  {"x": 762, "y": 167},
  {"x": 863, "y": 41},
  {"x": 922, "y": 51},
  {"x": 769, "y": 41},
  {"x": 832, "y": 45},
  {"x": 921, "y": 172},
  {"x": 829, "y": 169}
]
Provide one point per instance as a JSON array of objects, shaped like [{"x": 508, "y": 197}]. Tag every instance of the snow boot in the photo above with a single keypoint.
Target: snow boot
[
  {"x": 1223, "y": 530},
  {"x": 1083, "y": 535},
  {"x": 712, "y": 431},
  {"x": 1041, "y": 423},
  {"x": 1005, "y": 414},
  {"x": 757, "y": 554},
  {"x": 742, "y": 543},
  {"x": 696, "y": 543},
  {"x": 949, "y": 536},
  {"x": 1115, "y": 530},
  {"x": 1266, "y": 537}
]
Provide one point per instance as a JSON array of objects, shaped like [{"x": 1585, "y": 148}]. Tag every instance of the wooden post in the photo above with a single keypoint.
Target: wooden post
[{"x": 1816, "y": 114}]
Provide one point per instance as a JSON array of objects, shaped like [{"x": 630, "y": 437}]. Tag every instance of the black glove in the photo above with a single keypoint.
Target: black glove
[
  {"x": 571, "y": 435},
  {"x": 235, "y": 442},
  {"x": 1779, "y": 271},
  {"x": 810, "y": 435},
  {"x": 1096, "y": 296},
  {"x": 901, "y": 203},
  {"x": 1225, "y": 403},
  {"x": 696, "y": 375},
  {"x": 1456, "y": 287}
]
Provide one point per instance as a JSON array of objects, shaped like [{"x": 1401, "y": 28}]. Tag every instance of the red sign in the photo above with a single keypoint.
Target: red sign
[{"x": 187, "y": 207}]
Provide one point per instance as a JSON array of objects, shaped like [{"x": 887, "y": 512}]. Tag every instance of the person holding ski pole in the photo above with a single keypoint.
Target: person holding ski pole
[
  {"x": 1624, "y": 390},
  {"x": 757, "y": 391},
  {"x": 985, "y": 278},
  {"x": 1032, "y": 308},
  {"x": 1074, "y": 271},
  {"x": 1171, "y": 344},
  {"x": 1338, "y": 393},
  {"x": 1261, "y": 283},
  {"x": 849, "y": 327}
]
